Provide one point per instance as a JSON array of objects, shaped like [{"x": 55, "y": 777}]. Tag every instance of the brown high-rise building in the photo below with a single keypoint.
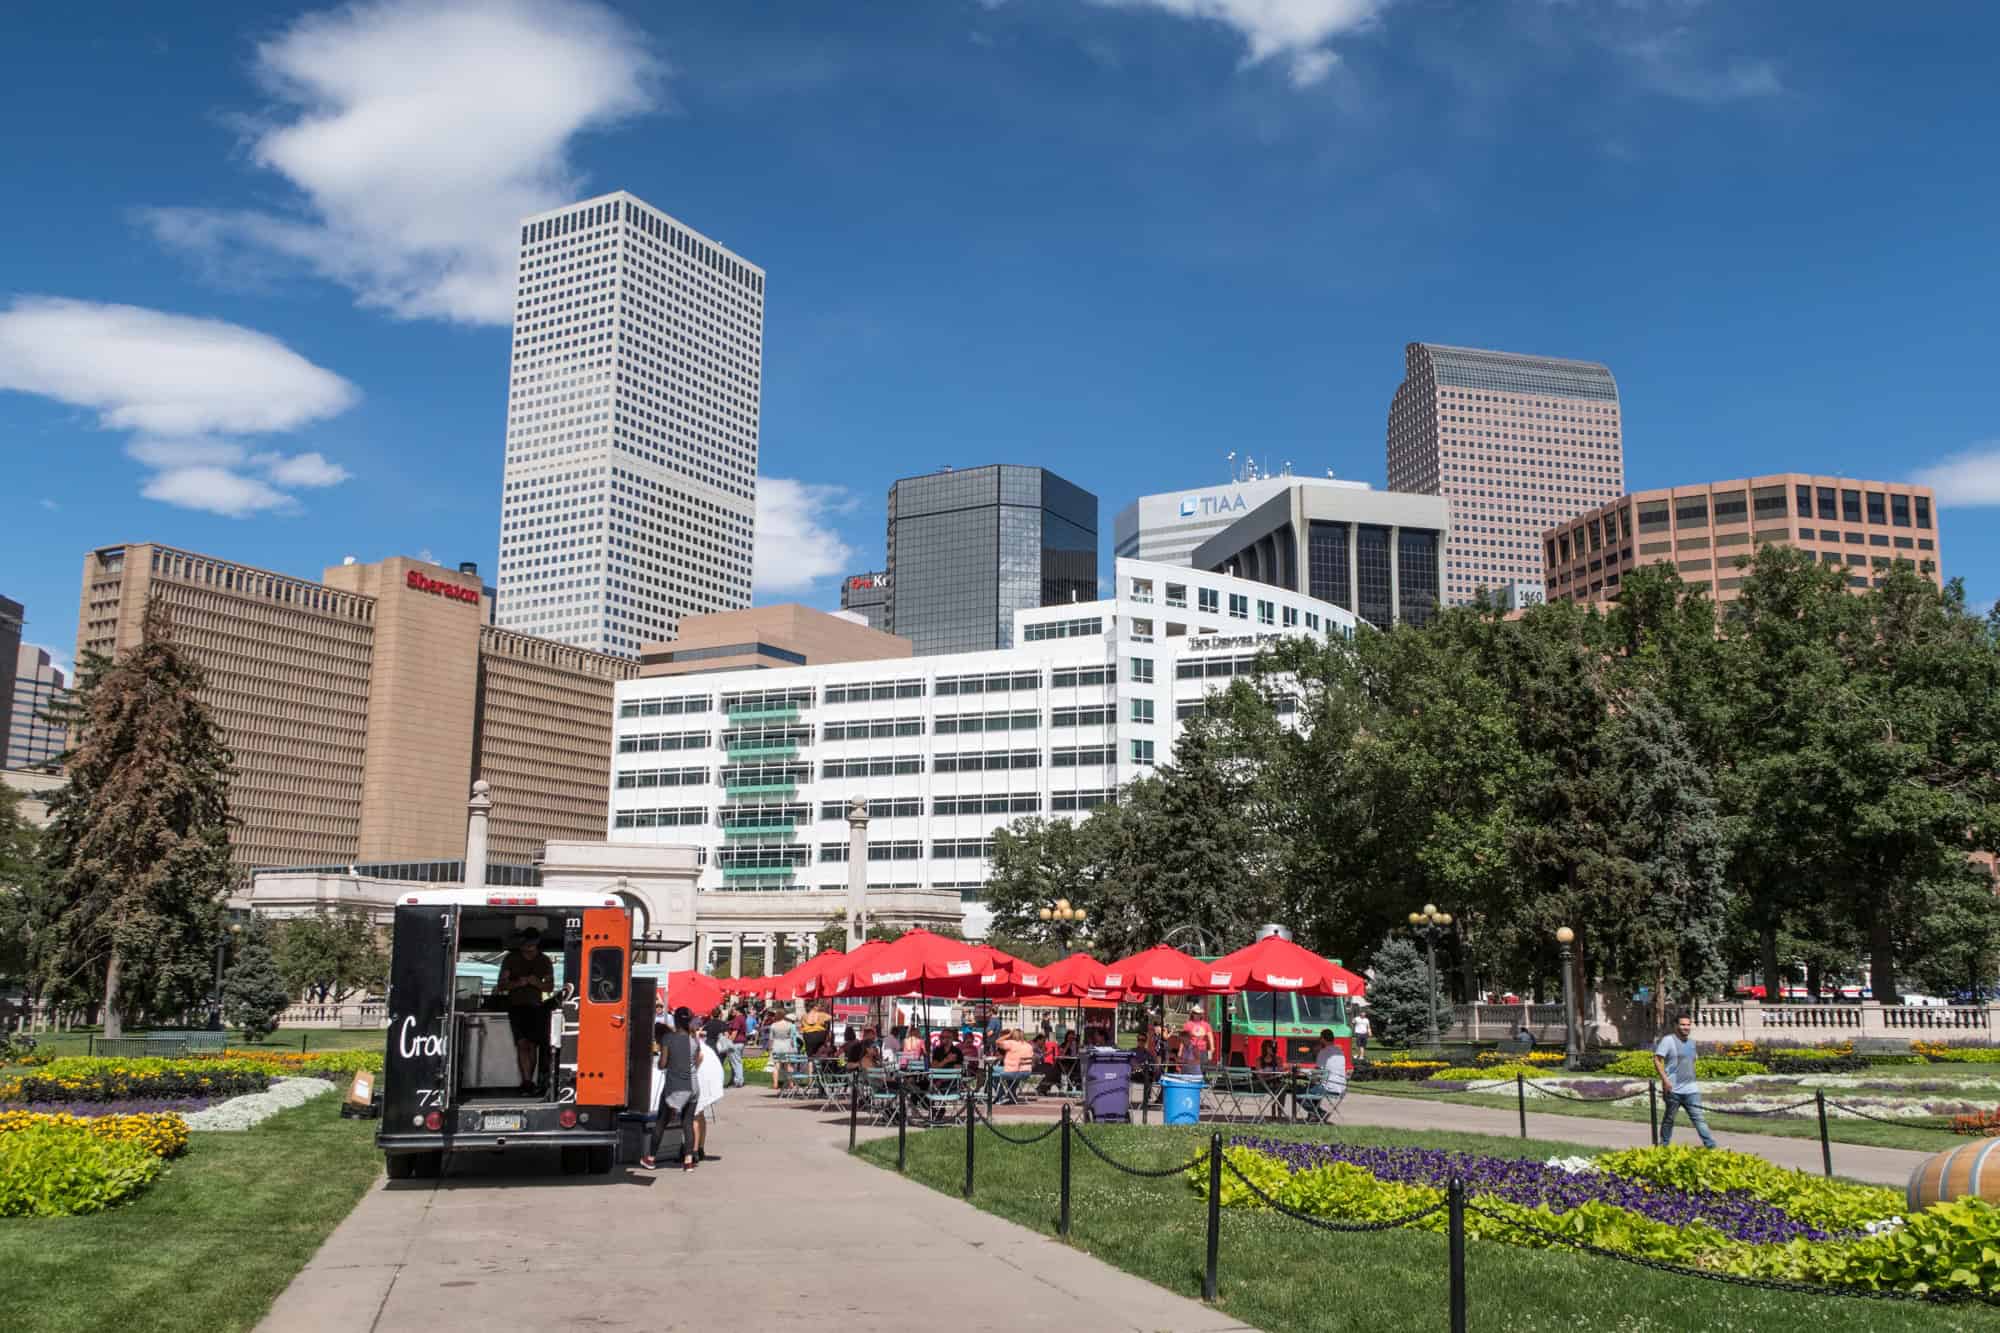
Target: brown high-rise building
[
  {"x": 360, "y": 708},
  {"x": 1515, "y": 442},
  {"x": 1861, "y": 526}
]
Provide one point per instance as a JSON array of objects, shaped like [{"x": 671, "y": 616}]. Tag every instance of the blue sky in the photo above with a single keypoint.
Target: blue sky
[{"x": 258, "y": 260}]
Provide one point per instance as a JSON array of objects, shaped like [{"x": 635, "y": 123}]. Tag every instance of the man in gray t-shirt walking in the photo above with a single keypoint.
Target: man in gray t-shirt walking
[{"x": 1673, "y": 1060}]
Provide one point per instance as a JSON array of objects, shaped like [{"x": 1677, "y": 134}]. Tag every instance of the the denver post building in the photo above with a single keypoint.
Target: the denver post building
[
  {"x": 361, "y": 708},
  {"x": 757, "y": 767}
]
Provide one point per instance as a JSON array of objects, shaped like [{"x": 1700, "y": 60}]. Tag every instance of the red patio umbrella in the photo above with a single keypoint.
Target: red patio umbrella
[
  {"x": 917, "y": 961},
  {"x": 699, "y": 993},
  {"x": 1161, "y": 970},
  {"x": 1072, "y": 976},
  {"x": 792, "y": 984},
  {"x": 1274, "y": 963}
]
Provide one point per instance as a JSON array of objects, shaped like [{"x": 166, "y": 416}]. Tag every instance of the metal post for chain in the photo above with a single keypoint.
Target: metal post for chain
[
  {"x": 902, "y": 1123},
  {"x": 1062, "y": 1216},
  {"x": 853, "y": 1109},
  {"x": 1825, "y": 1145},
  {"x": 1455, "y": 1223},
  {"x": 971, "y": 1121},
  {"x": 1214, "y": 1214},
  {"x": 303, "y": 1036},
  {"x": 1653, "y": 1110},
  {"x": 1521, "y": 1101}
]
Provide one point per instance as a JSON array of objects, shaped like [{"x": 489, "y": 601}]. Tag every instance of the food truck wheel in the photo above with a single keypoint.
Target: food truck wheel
[
  {"x": 601, "y": 1161},
  {"x": 427, "y": 1165},
  {"x": 574, "y": 1160},
  {"x": 401, "y": 1165}
]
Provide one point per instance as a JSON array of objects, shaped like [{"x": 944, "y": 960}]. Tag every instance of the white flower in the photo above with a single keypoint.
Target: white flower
[
  {"x": 1575, "y": 1166},
  {"x": 240, "y": 1113}
]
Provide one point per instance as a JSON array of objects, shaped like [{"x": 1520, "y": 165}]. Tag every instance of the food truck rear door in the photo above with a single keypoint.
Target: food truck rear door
[
  {"x": 416, "y": 1070},
  {"x": 603, "y": 1007}
]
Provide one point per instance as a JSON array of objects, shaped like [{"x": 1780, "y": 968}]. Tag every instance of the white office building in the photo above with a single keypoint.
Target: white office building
[
  {"x": 757, "y": 767},
  {"x": 630, "y": 488},
  {"x": 1168, "y": 527}
]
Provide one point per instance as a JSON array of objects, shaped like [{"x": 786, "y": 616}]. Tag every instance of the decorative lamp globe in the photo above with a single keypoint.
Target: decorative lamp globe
[
  {"x": 1443, "y": 918},
  {"x": 1565, "y": 936},
  {"x": 1416, "y": 918},
  {"x": 1430, "y": 909}
]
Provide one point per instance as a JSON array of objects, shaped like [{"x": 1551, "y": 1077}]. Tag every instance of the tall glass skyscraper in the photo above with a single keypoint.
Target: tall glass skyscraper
[
  {"x": 630, "y": 490},
  {"x": 968, "y": 549}
]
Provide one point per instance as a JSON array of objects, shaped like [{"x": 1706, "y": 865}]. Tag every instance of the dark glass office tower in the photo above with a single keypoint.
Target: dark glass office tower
[{"x": 968, "y": 549}]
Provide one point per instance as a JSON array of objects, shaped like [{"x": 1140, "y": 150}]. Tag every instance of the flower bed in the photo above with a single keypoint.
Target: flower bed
[
  {"x": 1715, "y": 1210},
  {"x": 1940, "y": 1053},
  {"x": 1485, "y": 1058},
  {"x": 1488, "y": 1074},
  {"x": 104, "y": 1079},
  {"x": 1395, "y": 1071},
  {"x": 240, "y": 1113},
  {"x": 339, "y": 1065},
  {"x": 1639, "y": 1064},
  {"x": 161, "y": 1134},
  {"x": 58, "y": 1170}
]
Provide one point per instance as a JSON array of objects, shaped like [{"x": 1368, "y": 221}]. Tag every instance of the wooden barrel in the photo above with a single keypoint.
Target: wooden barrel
[{"x": 1968, "y": 1172}]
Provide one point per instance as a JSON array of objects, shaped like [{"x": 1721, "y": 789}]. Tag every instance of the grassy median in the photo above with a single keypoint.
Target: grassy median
[
  {"x": 1284, "y": 1276},
  {"x": 206, "y": 1249}
]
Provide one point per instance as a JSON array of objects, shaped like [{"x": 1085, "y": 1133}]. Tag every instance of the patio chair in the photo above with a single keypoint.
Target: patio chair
[
  {"x": 1319, "y": 1101},
  {"x": 944, "y": 1095},
  {"x": 1007, "y": 1087},
  {"x": 835, "y": 1087},
  {"x": 881, "y": 1099}
]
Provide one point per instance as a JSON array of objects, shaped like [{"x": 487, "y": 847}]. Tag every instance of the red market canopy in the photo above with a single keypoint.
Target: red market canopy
[
  {"x": 699, "y": 993},
  {"x": 1075, "y": 976},
  {"x": 920, "y": 962},
  {"x": 792, "y": 984},
  {"x": 1160, "y": 970},
  {"x": 1276, "y": 964}
]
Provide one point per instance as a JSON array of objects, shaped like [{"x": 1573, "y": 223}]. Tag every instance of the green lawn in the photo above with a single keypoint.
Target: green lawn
[
  {"x": 207, "y": 1248},
  {"x": 1281, "y": 1275},
  {"x": 1839, "y": 1129}
]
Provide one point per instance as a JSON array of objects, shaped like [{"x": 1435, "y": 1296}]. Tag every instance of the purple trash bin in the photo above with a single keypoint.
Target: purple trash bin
[{"x": 1107, "y": 1084}]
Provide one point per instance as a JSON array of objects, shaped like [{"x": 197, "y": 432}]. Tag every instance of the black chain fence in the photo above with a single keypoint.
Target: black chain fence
[
  {"x": 1020, "y": 1140},
  {"x": 1769, "y": 1111},
  {"x": 1325, "y": 1223},
  {"x": 1576, "y": 1097},
  {"x": 1906, "y": 1121},
  {"x": 1141, "y": 1172}
]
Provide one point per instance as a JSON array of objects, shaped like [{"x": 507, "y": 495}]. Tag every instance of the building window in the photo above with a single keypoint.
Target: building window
[
  {"x": 1142, "y": 670},
  {"x": 1081, "y": 800},
  {"x": 1653, "y": 516},
  {"x": 1770, "y": 503},
  {"x": 1923, "y": 512},
  {"x": 1327, "y": 573},
  {"x": 1828, "y": 509},
  {"x": 1416, "y": 574},
  {"x": 1142, "y": 710},
  {"x": 1877, "y": 509},
  {"x": 1239, "y": 606},
  {"x": 1210, "y": 600},
  {"x": 1095, "y": 715},
  {"x": 1691, "y": 511},
  {"x": 1177, "y": 594},
  {"x": 1731, "y": 507},
  {"x": 1899, "y": 510},
  {"x": 1267, "y": 612},
  {"x": 1089, "y": 627},
  {"x": 1079, "y": 756},
  {"x": 1291, "y": 617},
  {"x": 1372, "y": 573},
  {"x": 1142, "y": 590},
  {"x": 1142, "y": 752},
  {"x": 1850, "y": 506},
  {"x": 1068, "y": 677}
]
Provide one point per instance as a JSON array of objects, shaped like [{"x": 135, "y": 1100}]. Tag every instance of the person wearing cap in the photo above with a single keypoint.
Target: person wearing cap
[{"x": 526, "y": 975}]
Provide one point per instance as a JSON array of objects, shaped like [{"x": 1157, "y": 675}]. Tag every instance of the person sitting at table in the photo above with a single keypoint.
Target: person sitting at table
[
  {"x": 1048, "y": 1065},
  {"x": 968, "y": 1045},
  {"x": 947, "y": 1056},
  {"x": 1331, "y": 1068},
  {"x": 913, "y": 1046},
  {"x": 1267, "y": 1058},
  {"x": 851, "y": 1050}
]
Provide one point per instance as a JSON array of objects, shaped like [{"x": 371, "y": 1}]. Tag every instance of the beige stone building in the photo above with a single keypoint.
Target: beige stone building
[
  {"x": 360, "y": 708},
  {"x": 767, "y": 637}
]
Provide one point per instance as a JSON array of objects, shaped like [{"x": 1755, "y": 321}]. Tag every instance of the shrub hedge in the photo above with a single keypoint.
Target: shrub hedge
[
  {"x": 104, "y": 1079},
  {"x": 1639, "y": 1064},
  {"x": 1395, "y": 1071},
  {"x": 55, "y": 1170}
]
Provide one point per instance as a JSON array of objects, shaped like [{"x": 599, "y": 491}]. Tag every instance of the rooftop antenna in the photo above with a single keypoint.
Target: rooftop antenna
[{"x": 1231, "y": 456}]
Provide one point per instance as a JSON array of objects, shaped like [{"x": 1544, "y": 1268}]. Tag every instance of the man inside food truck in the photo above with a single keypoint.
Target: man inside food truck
[{"x": 526, "y": 975}]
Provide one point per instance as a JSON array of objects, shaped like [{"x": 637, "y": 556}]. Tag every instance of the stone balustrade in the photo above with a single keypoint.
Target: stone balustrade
[{"x": 1812, "y": 1024}]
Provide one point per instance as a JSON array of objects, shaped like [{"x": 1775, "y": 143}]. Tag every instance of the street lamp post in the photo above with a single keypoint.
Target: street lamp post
[
  {"x": 1564, "y": 938},
  {"x": 215, "y": 998},
  {"x": 1064, "y": 920},
  {"x": 1430, "y": 923}
]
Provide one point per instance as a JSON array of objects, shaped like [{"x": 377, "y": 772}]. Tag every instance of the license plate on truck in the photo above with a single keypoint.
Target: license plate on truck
[{"x": 493, "y": 1124}]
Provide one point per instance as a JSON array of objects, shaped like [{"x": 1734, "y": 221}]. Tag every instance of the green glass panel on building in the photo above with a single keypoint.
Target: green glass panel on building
[
  {"x": 761, "y": 788},
  {"x": 763, "y": 714},
  {"x": 764, "y": 751},
  {"x": 760, "y": 831},
  {"x": 757, "y": 872}
]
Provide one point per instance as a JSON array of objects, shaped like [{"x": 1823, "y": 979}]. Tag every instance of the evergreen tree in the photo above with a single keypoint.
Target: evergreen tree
[
  {"x": 20, "y": 881},
  {"x": 253, "y": 992},
  {"x": 1400, "y": 995},
  {"x": 138, "y": 843}
]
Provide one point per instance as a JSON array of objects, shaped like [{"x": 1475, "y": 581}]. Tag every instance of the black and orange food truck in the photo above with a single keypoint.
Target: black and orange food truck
[{"x": 451, "y": 1078}]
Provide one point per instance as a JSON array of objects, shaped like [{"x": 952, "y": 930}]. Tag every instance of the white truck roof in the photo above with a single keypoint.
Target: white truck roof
[{"x": 493, "y": 896}]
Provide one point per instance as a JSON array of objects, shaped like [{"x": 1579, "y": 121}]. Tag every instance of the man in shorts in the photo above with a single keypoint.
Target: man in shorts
[{"x": 526, "y": 976}]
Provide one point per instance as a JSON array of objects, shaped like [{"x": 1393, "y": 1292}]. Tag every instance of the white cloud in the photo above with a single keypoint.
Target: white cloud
[
  {"x": 49, "y": 504},
  {"x": 184, "y": 386},
  {"x": 1294, "y": 31},
  {"x": 797, "y": 545},
  {"x": 1672, "y": 63},
  {"x": 1965, "y": 479},
  {"x": 217, "y": 490},
  {"x": 417, "y": 133}
]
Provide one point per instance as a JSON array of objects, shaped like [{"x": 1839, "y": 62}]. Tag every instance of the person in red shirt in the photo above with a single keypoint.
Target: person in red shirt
[{"x": 1201, "y": 1034}]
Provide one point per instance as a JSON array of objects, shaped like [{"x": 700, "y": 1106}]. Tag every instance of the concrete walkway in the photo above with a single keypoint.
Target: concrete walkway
[
  {"x": 783, "y": 1231},
  {"x": 1877, "y": 1166}
]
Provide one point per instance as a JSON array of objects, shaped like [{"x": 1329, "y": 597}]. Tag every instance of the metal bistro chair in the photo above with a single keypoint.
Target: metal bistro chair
[
  {"x": 835, "y": 1085},
  {"x": 1318, "y": 1101},
  {"x": 944, "y": 1095},
  {"x": 881, "y": 1097},
  {"x": 1007, "y": 1087}
]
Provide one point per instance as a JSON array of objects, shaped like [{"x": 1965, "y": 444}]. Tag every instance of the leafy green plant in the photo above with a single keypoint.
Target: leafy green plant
[
  {"x": 1491, "y": 1073},
  {"x": 1830, "y": 1205},
  {"x": 53, "y": 1170}
]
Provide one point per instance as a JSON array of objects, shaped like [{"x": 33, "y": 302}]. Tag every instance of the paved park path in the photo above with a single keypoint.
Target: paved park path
[
  {"x": 1877, "y": 1166},
  {"x": 783, "y": 1231}
]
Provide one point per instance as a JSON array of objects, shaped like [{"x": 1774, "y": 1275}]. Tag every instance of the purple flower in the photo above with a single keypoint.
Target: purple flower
[{"x": 1531, "y": 1183}]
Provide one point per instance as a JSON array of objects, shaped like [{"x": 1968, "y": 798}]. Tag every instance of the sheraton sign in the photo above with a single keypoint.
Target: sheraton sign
[{"x": 422, "y": 582}]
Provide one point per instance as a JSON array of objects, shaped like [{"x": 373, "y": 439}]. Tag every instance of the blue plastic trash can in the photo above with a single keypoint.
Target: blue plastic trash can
[{"x": 1181, "y": 1094}]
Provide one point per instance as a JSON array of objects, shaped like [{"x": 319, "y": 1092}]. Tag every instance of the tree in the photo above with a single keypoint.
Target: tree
[
  {"x": 20, "y": 883},
  {"x": 1036, "y": 861},
  {"x": 1401, "y": 999},
  {"x": 330, "y": 954},
  {"x": 138, "y": 841},
  {"x": 253, "y": 992}
]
